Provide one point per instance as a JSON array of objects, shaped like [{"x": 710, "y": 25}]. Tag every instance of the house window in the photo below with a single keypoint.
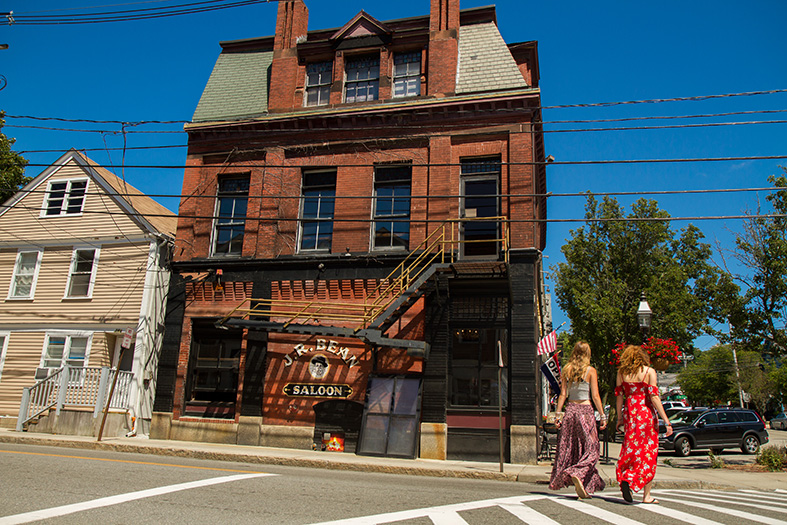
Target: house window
[
  {"x": 23, "y": 283},
  {"x": 318, "y": 83},
  {"x": 232, "y": 201},
  {"x": 212, "y": 384},
  {"x": 65, "y": 197},
  {"x": 65, "y": 349},
  {"x": 319, "y": 191},
  {"x": 392, "y": 207},
  {"x": 407, "y": 75},
  {"x": 82, "y": 274},
  {"x": 363, "y": 79},
  {"x": 474, "y": 367},
  {"x": 3, "y": 347}
]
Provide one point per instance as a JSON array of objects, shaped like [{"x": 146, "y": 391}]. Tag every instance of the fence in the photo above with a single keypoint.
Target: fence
[{"x": 75, "y": 387}]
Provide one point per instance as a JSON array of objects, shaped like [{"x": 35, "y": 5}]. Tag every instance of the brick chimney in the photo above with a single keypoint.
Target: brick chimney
[
  {"x": 292, "y": 23},
  {"x": 443, "y": 46}
]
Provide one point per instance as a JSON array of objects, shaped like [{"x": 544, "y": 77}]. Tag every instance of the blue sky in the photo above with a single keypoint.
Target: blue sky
[{"x": 589, "y": 53}]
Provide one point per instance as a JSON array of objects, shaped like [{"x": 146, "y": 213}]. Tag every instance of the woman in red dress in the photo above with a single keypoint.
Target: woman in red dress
[{"x": 636, "y": 383}]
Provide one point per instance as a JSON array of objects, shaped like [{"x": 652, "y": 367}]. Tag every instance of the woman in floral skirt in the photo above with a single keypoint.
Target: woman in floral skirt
[
  {"x": 636, "y": 384},
  {"x": 577, "y": 449}
]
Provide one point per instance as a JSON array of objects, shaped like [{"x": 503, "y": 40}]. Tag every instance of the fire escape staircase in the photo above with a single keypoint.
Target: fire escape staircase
[{"x": 414, "y": 278}]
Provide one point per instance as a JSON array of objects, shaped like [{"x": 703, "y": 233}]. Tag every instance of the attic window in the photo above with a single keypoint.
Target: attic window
[
  {"x": 65, "y": 197},
  {"x": 407, "y": 75},
  {"x": 362, "y": 79},
  {"x": 318, "y": 83}
]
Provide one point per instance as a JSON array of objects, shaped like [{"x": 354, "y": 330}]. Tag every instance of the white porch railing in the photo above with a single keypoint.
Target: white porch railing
[{"x": 75, "y": 387}]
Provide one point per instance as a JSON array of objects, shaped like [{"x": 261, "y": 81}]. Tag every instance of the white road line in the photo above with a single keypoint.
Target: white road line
[
  {"x": 120, "y": 498},
  {"x": 721, "y": 510},
  {"x": 528, "y": 515},
  {"x": 736, "y": 497},
  {"x": 764, "y": 496},
  {"x": 596, "y": 512},
  {"x": 428, "y": 512},
  {"x": 667, "y": 512},
  {"x": 446, "y": 517},
  {"x": 716, "y": 498}
]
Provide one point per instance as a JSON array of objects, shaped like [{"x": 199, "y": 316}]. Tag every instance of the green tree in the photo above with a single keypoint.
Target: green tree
[
  {"x": 12, "y": 166},
  {"x": 613, "y": 258},
  {"x": 760, "y": 314}
]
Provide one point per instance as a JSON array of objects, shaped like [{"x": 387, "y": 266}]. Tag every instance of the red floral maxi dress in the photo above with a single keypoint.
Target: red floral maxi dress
[{"x": 638, "y": 456}]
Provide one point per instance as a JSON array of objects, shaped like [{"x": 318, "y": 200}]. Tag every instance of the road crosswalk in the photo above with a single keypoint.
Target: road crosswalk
[{"x": 697, "y": 507}]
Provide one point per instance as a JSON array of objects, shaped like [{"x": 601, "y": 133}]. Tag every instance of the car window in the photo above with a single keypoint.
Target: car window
[
  {"x": 710, "y": 419},
  {"x": 728, "y": 417},
  {"x": 685, "y": 417},
  {"x": 747, "y": 417}
]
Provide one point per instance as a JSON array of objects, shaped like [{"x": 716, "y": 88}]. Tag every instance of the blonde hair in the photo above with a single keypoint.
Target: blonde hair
[
  {"x": 578, "y": 362},
  {"x": 633, "y": 358}
]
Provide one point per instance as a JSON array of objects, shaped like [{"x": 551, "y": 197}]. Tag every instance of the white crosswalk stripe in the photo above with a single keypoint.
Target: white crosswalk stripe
[{"x": 605, "y": 508}]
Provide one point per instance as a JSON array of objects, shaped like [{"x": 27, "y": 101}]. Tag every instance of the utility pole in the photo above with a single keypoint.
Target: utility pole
[{"x": 737, "y": 370}]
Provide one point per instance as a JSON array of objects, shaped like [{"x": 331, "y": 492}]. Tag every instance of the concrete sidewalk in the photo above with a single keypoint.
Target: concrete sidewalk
[{"x": 689, "y": 475}]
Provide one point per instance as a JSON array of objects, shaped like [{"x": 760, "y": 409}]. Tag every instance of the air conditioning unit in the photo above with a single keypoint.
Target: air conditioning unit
[{"x": 42, "y": 373}]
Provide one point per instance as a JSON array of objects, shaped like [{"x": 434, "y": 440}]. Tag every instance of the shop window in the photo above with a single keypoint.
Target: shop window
[
  {"x": 319, "y": 77},
  {"x": 362, "y": 79},
  {"x": 82, "y": 274},
  {"x": 23, "y": 282},
  {"x": 392, "y": 207},
  {"x": 319, "y": 192},
  {"x": 391, "y": 417},
  {"x": 212, "y": 384},
  {"x": 231, "y": 204},
  {"x": 475, "y": 366},
  {"x": 407, "y": 75},
  {"x": 65, "y": 198}
]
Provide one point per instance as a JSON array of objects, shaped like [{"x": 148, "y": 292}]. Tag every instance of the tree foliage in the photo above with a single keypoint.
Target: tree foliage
[
  {"x": 12, "y": 166},
  {"x": 611, "y": 261},
  {"x": 760, "y": 314}
]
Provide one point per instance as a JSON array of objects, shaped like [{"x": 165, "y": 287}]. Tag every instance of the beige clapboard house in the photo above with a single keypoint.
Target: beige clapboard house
[{"x": 83, "y": 274}]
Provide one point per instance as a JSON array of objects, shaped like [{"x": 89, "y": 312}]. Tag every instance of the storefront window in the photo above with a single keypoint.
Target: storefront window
[
  {"x": 213, "y": 372},
  {"x": 474, "y": 367}
]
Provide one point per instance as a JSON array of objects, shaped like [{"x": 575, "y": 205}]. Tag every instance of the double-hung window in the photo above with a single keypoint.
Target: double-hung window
[
  {"x": 65, "y": 197},
  {"x": 319, "y": 192},
  {"x": 23, "y": 283},
  {"x": 232, "y": 202},
  {"x": 362, "y": 81},
  {"x": 66, "y": 349},
  {"x": 82, "y": 274},
  {"x": 392, "y": 207},
  {"x": 407, "y": 74},
  {"x": 319, "y": 77}
]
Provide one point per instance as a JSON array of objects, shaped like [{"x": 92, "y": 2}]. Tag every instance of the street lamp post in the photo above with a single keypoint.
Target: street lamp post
[{"x": 644, "y": 316}]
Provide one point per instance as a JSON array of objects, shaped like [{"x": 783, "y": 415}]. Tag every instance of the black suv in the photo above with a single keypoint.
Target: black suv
[{"x": 715, "y": 429}]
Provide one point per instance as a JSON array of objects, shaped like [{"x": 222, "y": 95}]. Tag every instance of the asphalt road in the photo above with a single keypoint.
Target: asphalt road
[{"x": 85, "y": 486}]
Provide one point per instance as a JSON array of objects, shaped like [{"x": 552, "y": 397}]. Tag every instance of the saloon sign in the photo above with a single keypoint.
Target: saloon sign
[
  {"x": 317, "y": 390},
  {"x": 321, "y": 346}
]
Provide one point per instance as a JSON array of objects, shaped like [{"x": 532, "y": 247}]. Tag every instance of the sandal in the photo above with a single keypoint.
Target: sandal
[
  {"x": 580, "y": 488},
  {"x": 626, "y": 490},
  {"x": 654, "y": 501}
]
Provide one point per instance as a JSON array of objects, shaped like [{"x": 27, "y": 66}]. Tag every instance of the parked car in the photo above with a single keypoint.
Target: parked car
[
  {"x": 779, "y": 422},
  {"x": 674, "y": 404},
  {"x": 714, "y": 429}
]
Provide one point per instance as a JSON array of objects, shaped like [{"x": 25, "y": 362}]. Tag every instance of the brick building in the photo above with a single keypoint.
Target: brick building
[{"x": 360, "y": 232}]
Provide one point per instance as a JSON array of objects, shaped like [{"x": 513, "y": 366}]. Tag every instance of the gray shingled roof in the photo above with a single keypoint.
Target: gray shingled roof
[
  {"x": 485, "y": 63},
  {"x": 237, "y": 87}
]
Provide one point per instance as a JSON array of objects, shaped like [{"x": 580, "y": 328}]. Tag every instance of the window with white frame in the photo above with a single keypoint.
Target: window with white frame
[
  {"x": 319, "y": 191},
  {"x": 23, "y": 282},
  {"x": 392, "y": 207},
  {"x": 82, "y": 274},
  {"x": 230, "y": 225},
  {"x": 3, "y": 347},
  {"x": 66, "y": 349},
  {"x": 319, "y": 77},
  {"x": 407, "y": 74},
  {"x": 65, "y": 197},
  {"x": 362, "y": 80}
]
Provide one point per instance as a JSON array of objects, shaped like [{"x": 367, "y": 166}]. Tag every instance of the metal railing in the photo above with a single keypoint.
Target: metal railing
[
  {"x": 75, "y": 387},
  {"x": 442, "y": 245}
]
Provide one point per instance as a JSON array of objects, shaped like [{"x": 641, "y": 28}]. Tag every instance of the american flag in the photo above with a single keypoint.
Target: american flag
[{"x": 548, "y": 344}]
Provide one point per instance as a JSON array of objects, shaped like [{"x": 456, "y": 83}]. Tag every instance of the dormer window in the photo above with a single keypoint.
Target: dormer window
[
  {"x": 318, "y": 83},
  {"x": 362, "y": 79},
  {"x": 407, "y": 75}
]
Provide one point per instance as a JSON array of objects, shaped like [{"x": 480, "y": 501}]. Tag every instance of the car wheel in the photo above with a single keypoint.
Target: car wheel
[
  {"x": 682, "y": 447},
  {"x": 750, "y": 445}
]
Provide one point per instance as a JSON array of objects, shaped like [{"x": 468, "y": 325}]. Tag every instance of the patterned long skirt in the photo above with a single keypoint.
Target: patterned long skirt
[{"x": 577, "y": 451}]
